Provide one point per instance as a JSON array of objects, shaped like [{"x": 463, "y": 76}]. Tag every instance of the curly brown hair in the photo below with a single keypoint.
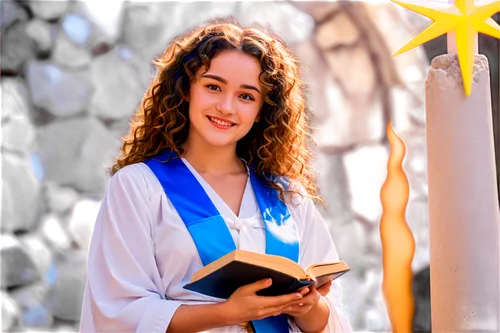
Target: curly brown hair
[{"x": 279, "y": 147}]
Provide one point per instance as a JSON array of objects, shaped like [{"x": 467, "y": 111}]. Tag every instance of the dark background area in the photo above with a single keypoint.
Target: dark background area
[{"x": 69, "y": 122}]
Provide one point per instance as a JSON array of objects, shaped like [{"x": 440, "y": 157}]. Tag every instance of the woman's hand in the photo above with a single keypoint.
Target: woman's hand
[
  {"x": 245, "y": 305},
  {"x": 325, "y": 289},
  {"x": 311, "y": 298}
]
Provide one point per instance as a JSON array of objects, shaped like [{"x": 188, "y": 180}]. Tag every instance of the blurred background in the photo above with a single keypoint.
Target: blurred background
[{"x": 73, "y": 73}]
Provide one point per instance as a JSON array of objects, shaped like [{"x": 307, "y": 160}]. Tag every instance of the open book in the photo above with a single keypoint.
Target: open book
[{"x": 223, "y": 276}]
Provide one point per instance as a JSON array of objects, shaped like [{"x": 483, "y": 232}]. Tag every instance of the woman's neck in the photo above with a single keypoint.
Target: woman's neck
[{"x": 216, "y": 161}]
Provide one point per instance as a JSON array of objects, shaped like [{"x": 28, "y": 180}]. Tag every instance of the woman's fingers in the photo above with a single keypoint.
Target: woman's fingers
[
  {"x": 277, "y": 309},
  {"x": 325, "y": 289},
  {"x": 304, "y": 291},
  {"x": 283, "y": 300},
  {"x": 296, "y": 307},
  {"x": 252, "y": 288}
]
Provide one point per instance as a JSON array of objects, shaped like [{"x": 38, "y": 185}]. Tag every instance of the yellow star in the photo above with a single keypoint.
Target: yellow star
[{"x": 465, "y": 18}]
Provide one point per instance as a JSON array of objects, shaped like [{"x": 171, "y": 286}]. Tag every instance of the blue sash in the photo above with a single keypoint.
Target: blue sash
[{"x": 202, "y": 218}]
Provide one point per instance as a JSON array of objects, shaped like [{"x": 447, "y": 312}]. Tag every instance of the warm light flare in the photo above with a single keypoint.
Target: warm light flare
[{"x": 398, "y": 244}]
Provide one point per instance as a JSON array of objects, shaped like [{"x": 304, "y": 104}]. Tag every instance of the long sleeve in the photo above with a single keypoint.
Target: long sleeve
[
  {"x": 316, "y": 246},
  {"x": 124, "y": 291}
]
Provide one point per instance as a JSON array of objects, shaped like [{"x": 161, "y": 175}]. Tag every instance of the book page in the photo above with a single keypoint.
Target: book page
[{"x": 327, "y": 269}]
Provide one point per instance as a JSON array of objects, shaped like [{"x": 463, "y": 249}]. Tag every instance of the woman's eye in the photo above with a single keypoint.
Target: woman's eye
[
  {"x": 213, "y": 87},
  {"x": 247, "y": 97}
]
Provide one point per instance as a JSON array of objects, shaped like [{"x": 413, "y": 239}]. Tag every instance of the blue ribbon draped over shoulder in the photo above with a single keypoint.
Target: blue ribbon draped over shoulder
[{"x": 202, "y": 218}]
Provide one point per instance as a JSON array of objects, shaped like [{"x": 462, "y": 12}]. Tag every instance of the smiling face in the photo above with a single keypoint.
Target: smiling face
[{"x": 225, "y": 101}]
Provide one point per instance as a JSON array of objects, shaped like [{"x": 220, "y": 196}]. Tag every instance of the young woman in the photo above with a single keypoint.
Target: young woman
[{"x": 218, "y": 158}]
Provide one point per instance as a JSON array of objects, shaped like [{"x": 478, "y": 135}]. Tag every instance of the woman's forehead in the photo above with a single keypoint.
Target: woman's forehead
[
  {"x": 235, "y": 66},
  {"x": 237, "y": 57}
]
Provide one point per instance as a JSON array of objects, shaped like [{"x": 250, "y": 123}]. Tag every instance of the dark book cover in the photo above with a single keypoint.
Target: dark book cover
[{"x": 224, "y": 281}]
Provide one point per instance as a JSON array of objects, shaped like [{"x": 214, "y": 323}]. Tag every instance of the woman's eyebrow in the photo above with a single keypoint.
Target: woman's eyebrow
[{"x": 222, "y": 80}]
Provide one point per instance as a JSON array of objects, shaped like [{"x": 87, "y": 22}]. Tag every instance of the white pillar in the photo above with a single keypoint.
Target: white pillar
[
  {"x": 463, "y": 205},
  {"x": 498, "y": 124}
]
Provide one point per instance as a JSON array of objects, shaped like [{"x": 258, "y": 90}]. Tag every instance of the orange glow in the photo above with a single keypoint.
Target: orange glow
[{"x": 398, "y": 244}]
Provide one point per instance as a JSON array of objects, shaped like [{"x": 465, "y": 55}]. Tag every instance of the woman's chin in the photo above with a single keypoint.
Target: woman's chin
[{"x": 220, "y": 142}]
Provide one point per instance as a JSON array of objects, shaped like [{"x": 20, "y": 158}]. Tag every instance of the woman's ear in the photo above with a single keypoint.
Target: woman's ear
[
  {"x": 186, "y": 98},
  {"x": 257, "y": 119}
]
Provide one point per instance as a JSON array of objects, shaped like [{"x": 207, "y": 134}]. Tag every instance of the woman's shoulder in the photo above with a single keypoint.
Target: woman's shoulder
[
  {"x": 136, "y": 177},
  {"x": 132, "y": 172}
]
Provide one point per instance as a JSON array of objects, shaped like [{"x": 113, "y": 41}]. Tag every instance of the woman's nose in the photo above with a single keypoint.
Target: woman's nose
[{"x": 226, "y": 106}]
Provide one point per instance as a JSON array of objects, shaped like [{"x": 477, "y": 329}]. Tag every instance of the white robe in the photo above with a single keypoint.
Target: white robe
[{"x": 141, "y": 254}]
